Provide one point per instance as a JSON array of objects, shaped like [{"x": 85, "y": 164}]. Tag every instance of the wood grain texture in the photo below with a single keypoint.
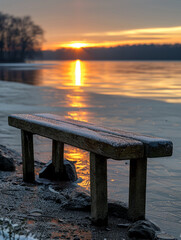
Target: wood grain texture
[
  {"x": 105, "y": 144},
  {"x": 137, "y": 189},
  {"x": 87, "y": 136},
  {"x": 98, "y": 186},
  {"x": 153, "y": 146},
  {"x": 58, "y": 158},
  {"x": 27, "y": 156}
]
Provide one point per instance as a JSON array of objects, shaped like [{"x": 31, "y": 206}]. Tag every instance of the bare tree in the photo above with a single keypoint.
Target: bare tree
[{"x": 20, "y": 38}]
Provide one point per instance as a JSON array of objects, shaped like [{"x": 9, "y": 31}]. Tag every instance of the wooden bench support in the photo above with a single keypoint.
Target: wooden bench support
[
  {"x": 98, "y": 182},
  {"x": 58, "y": 158},
  {"x": 27, "y": 156},
  {"x": 102, "y": 143},
  {"x": 137, "y": 188}
]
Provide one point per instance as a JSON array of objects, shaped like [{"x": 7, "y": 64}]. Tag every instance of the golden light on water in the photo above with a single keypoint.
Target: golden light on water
[
  {"x": 130, "y": 79},
  {"x": 81, "y": 115},
  {"x": 78, "y": 73},
  {"x": 76, "y": 100},
  {"x": 81, "y": 160}
]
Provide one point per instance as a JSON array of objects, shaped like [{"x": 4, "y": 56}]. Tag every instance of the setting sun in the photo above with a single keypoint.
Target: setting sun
[{"x": 77, "y": 45}]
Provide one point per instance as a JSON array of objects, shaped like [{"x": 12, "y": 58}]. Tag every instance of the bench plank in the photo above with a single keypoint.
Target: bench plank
[
  {"x": 153, "y": 146},
  {"x": 102, "y": 143},
  {"x": 99, "y": 142}
]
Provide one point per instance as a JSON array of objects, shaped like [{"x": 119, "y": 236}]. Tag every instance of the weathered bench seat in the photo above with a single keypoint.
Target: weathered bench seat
[{"x": 102, "y": 143}]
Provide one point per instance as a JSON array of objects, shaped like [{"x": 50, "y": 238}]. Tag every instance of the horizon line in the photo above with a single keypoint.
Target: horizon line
[{"x": 107, "y": 47}]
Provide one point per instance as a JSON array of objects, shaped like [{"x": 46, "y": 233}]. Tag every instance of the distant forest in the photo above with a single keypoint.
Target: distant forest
[
  {"x": 20, "y": 38},
  {"x": 126, "y": 52}
]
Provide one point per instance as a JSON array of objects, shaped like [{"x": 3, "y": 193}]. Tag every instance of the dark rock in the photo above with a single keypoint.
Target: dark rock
[
  {"x": 118, "y": 209},
  {"x": 78, "y": 200},
  {"x": 69, "y": 173},
  {"x": 47, "y": 171},
  {"x": 143, "y": 229},
  {"x": 6, "y": 159},
  {"x": 58, "y": 198}
]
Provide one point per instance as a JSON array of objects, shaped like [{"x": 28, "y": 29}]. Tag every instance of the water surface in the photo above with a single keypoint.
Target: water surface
[{"x": 138, "y": 96}]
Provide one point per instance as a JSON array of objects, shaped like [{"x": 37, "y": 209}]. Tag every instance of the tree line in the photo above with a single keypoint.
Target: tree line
[
  {"x": 126, "y": 52},
  {"x": 20, "y": 38}
]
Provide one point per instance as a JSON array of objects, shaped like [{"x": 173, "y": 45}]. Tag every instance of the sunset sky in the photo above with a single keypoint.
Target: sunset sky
[{"x": 101, "y": 22}]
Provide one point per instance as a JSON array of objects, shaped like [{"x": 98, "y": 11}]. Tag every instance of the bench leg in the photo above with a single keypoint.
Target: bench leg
[
  {"x": 137, "y": 189},
  {"x": 27, "y": 156},
  {"x": 98, "y": 185},
  {"x": 58, "y": 158}
]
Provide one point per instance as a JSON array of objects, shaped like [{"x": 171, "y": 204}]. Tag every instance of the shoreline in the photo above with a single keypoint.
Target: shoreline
[
  {"x": 146, "y": 116},
  {"x": 47, "y": 210}
]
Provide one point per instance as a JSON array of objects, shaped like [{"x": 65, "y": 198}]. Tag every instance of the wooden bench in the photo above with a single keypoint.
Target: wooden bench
[{"x": 102, "y": 143}]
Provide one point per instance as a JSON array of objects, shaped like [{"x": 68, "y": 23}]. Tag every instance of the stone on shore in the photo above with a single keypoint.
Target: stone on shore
[
  {"x": 79, "y": 199},
  {"x": 118, "y": 209},
  {"x": 143, "y": 229},
  {"x": 69, "y": 173},
  {"x": 6, "y": 159}
]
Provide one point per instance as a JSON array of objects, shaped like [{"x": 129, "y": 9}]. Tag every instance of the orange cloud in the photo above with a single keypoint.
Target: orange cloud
[
  {"x": 162, "y": 35},
  {"x": 162, "y": 30}
]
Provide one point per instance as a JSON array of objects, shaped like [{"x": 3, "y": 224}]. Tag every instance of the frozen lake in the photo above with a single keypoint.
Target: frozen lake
[{"x": 137, "y": 96}]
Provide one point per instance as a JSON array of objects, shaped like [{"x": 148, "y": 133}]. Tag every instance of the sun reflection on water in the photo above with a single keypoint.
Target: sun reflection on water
[
  {"x": 81, "y": 160},
  {"x": 76, "y": 100},
  {"x": 78, "y": 73},
  {"x": 78, "y": 115}
]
